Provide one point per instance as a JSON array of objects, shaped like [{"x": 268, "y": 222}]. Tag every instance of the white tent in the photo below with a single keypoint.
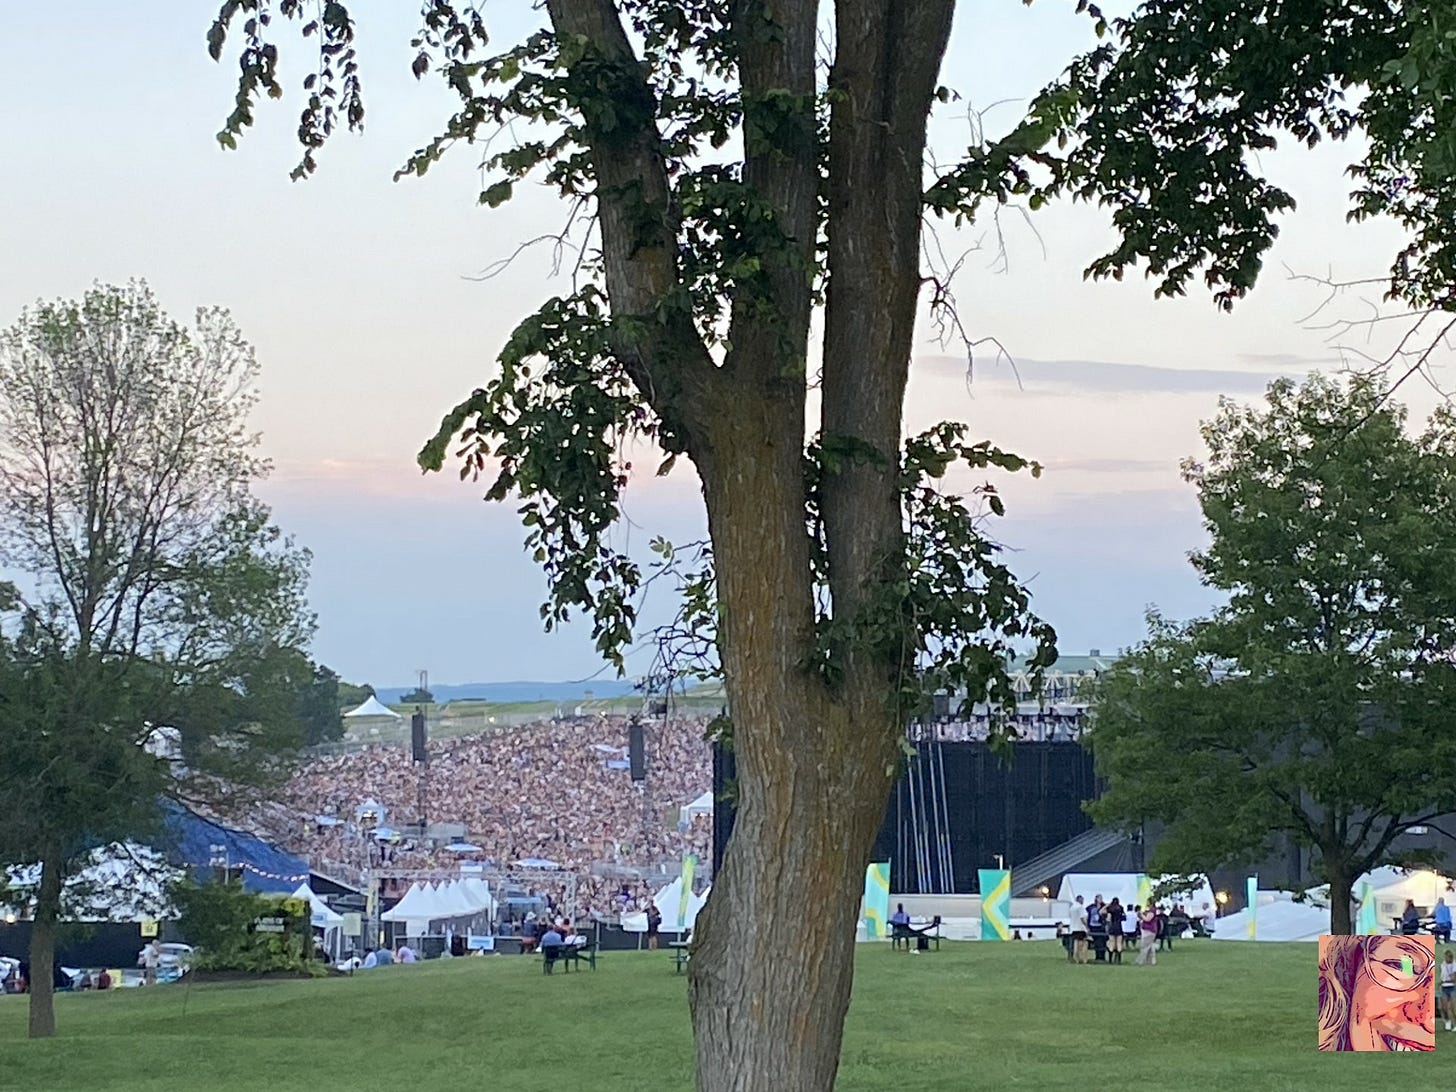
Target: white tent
[
  {"x": 1278, "y": 920},
  {"x": 1124, "y": 887},
  {"x": 668, "y": 902},
  {"x": 373, "y": 708},
  {"x": 321, "y": 916},
  {"x": 1390, "y": 888},
  {"x": 703, "y": 805},
  {"x": 480, "y": 891},
  {"x": 415, "y": 909}
]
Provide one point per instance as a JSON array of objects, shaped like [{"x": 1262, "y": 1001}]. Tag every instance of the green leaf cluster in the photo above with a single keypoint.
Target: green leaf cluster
[{"x": 219, "y": 921}]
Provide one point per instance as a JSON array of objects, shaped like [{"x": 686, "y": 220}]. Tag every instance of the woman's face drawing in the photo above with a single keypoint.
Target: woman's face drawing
[{"x": 1382, "y": 1015}]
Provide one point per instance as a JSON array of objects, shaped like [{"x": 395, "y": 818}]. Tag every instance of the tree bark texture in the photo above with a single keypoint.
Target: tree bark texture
[
  {"x": 43, "y": 949},
  {"x": 769, "y": 998}
]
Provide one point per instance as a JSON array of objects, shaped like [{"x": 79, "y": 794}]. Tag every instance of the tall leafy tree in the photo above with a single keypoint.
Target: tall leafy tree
[
  {"x": 316, "y": 691},
  {"x": 726, "y": 179},
  {"x": 145, "y": 653},
  {"x": 1316, "y": 704}
]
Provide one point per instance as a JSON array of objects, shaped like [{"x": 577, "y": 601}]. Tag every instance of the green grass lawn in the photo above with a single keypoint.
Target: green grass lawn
[{"x": 1209, "y": 1016}]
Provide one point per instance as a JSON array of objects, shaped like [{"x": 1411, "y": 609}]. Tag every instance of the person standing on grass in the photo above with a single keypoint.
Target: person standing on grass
[
  {"x": 151, "y": 960},
  {"x": 1079, "y": 931},
  {"x": 1148, "y": 930},
  {"x": 1115, "y": 915},
  {"x": 654, "y": 922},
  {"x": 1096, "y": 926},
  {"x": 1448, "y": 989}
]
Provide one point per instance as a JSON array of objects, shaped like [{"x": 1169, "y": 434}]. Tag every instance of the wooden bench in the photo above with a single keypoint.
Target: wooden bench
[
  {"x": 908, "y": 934},
  {"x": 566, "y": 955}
]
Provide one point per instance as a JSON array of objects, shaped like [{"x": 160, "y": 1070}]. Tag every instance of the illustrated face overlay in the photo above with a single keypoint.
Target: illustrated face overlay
[{"x": 1377, "y": 993}]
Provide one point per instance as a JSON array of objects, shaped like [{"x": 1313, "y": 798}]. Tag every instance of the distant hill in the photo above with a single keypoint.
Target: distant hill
[{"x": 517, "y": 691}]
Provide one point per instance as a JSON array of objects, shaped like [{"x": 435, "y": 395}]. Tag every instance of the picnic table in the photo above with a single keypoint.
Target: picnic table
[
  {"x": 680, "y": 954},
  {"x": 1425, "y": 925},
  {"x": 567, "y": 954}
]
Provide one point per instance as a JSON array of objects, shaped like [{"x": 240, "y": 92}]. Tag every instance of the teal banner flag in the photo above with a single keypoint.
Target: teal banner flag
[
  {"x": 877, "y": 900},
  {"x": 1252, "y": 892},
  {"x": 995, "y": 904},
  {"x": 1366, "y": 923},
  {"x": 689, "y": 867}
]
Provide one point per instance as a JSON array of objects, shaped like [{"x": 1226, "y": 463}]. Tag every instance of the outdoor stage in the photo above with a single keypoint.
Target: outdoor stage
[{"x": 960, "y": 807}]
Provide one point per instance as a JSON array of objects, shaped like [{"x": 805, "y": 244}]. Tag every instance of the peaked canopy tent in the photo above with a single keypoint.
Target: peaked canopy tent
[
  {"x": 322, "y": 916},
  {"x": 1281, "y": 920},
  {"x": 703, "y": 805},
  {"x": 462, "y": 901},
  {"x": 669, "y": 904},
  {"x": 373, "y": 707}
]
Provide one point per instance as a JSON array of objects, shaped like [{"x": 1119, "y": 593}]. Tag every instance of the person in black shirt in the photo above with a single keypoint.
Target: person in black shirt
[
  {"x": 1115, "y": 915},
  {"x": 654, "y": 922}
]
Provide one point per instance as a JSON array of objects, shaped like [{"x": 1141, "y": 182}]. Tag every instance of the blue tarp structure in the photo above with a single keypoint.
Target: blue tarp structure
[{"x": 265, "y": 868}]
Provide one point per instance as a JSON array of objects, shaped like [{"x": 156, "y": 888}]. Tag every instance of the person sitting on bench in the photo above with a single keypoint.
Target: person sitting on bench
[
  {"x": 899, "y": 926},
  {"x": 551, "y": 948},
  {"x": 1410, "y": 920}
]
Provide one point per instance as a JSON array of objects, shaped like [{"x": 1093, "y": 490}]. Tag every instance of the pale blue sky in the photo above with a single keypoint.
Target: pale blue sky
[{"x": 356, "y": 292}]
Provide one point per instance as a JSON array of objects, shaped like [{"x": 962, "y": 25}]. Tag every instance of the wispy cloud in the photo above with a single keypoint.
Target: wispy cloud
[{"x": 1114, "y": 378}]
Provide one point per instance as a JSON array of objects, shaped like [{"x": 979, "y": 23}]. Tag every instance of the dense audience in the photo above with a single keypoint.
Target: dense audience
[{"x": 558, "y": 791}]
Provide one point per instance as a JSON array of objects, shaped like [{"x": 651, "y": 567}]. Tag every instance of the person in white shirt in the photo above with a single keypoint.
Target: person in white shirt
[
  {"x": 1079, "y": 931},
  {"x": 371, "y": 960}
]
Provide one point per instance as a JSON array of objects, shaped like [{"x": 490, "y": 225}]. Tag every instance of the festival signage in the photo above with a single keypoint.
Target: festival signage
[
  {"x": 1252, "y": 893},
  {"x": 1367, "y": 921},
  {"x": 689, "y": 866},
  {"x": 877, "y": 900},
  {"x": 995, "y": 903}
]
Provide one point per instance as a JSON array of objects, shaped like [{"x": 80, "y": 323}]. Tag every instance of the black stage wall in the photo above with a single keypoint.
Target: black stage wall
[
  {"x": 1017, "y": 810},
  {"x": 88, "y": 946}
]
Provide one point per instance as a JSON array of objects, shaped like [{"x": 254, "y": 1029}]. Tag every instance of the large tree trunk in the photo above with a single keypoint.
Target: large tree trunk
[
  {"x": 769, "y": 983},
  {"x": 43, "y": 949},
  {"x": 1342, "y": 883}
]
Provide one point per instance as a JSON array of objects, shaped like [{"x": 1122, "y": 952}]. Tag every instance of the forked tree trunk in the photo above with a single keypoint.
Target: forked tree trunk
[{"x": 43, "y": 949}]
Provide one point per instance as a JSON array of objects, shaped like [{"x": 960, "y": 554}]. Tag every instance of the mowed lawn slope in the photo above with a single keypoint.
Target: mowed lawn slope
[{"x": 1209, "y": 1016}]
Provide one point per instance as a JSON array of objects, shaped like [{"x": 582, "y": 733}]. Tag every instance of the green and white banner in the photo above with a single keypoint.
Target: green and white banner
[
  {"x": 995, "y": 904},
  {"x": 1252, "y": 892},
  {"x": 877, "y": 900},
  {"x": 1367, "y": 922},
  {"x": 690, "y": 865},
  {"x": 1144, "y": 890}
]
